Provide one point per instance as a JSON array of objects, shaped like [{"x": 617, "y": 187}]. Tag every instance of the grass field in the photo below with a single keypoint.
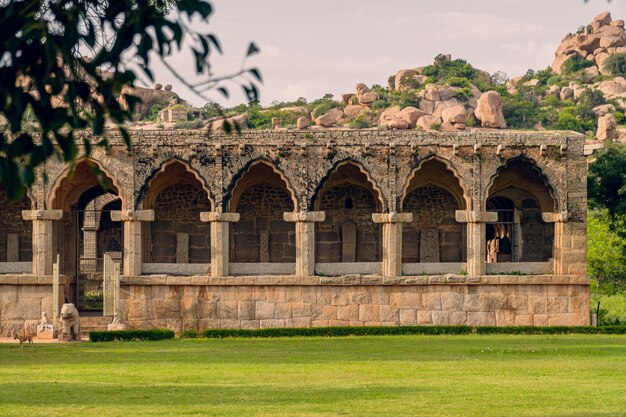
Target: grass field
[{"x": 571, "y": 375}]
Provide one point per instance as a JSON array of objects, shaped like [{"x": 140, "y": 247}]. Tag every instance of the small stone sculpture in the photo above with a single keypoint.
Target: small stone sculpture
[
  {"x": 70, "y": 323},
  {"x": 44, "y": 319},
  {"x": 116, "y": 324}
]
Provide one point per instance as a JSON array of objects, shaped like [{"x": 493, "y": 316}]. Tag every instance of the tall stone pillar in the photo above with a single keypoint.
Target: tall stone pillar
[
  {"x": 392, "y": 240},
  {"x": 133, "y": 256},
  {"x": 476, "y": 238},
  {"x": 560, "y": 244},
  {"x": 42, "y": 238},
  {"x": 305, "y": 239},
  {"x": 220, "y": 241}
]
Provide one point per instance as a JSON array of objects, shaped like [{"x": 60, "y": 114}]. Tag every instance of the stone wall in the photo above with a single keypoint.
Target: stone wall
[
  {"x": 261, "y": 234},
  {"x": 262, "y": 302},
  {"x": 433, "y": 211},
  {"x": 15, "y": 232},
  {"x": 348, "y": 234},
  {"x": 177, "y": 211}
]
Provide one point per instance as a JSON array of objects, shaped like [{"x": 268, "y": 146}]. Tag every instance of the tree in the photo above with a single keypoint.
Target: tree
[
  {"x": 607, "y": 185},
  {"x": 44, "y": 77}
]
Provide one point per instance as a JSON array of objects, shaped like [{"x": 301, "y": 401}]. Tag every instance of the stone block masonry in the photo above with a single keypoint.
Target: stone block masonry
[{"x": 334, "y": 201}]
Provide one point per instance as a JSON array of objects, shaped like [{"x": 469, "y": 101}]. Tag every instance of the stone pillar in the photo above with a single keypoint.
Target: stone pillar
[
  {"x": 305, "y": 239},
  {"x": 392, "y": 240},
  {"x": 42, "y": 238},
  {"x": 476, "y": 238},
  {"x": 133, "y": 256},
  {"x": 220, "y": 242},
  {"x": 560, "y": 245}
]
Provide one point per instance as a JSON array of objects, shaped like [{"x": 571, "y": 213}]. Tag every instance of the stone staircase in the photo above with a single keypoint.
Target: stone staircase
[{"x": 90, "y": 324}]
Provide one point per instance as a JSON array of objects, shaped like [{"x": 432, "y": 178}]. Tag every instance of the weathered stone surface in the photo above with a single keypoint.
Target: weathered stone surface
[
  {"x": 368, "y": 98},
  {"x": 303, "y": 122},
  {"x": 489, "y": 110},
  {"x": 325, "y": 121},
  {"x": 607, "y": 128},
  {"x": 426, "y": 122}
]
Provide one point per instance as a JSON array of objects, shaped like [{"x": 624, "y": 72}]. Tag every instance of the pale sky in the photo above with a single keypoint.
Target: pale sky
[{"x": 309, "y": 48}]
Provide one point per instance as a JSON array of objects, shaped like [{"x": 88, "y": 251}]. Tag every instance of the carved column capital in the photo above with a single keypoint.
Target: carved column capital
[
  {"x": 392, "y": 217},
  {"x": 555, "y": 217},
  {"x": 217, "y": 217},
  {"x": 304, "y": 216},
  {"x": 464, "y": 216},
  {"x": 42, "y": 214},
  {"x": 132, "y": 215}
]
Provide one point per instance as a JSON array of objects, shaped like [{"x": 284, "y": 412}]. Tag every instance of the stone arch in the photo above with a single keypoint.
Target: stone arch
[
  {"x": 324, "y": 183},
  {"x": 96, "y": 205},
  {"x": 177, "y": 194},
  {"x": 349, "y": 197},
  {"x": 520, "y": 192},
  {"x": 537, "y": 183},
  {"x": 231, "y": 197},
  {"x": 78, "y": 178},
  {"x": 261, "y": 193},
  {"x": 433, "y": 193},
  {"x": 146, "y": 194},
  {"x": 458, "y": 190}
]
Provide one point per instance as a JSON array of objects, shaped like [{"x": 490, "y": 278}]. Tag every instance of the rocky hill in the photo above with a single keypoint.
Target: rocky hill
[{"x": 583, "y": 90}]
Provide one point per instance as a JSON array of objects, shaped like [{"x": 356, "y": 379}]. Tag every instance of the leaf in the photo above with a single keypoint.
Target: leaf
[
  {"x": 223, "y": 91},
  {"x": 252, "y": 49},
  {"x": 256, "y": 73}
]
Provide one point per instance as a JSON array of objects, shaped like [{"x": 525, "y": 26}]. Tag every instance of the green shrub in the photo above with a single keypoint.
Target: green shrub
[
  {"x": 616, "y": 64},
  {"x": 620, "y": 118},
  {"x": 575, "y": 64},
  {"x": 435, "y": 126},
  {"x": 126, "y": 335},
  {"x": 323, "y": 108},
  {"x": 190, "y": 124},
  {"x": 458, "y": 82},
  {"x": 569, "y": 120},
  {"x": 379, "y": 105},
  {"x": 361, "y": 122},
  {"x": 405, "y": 330}
]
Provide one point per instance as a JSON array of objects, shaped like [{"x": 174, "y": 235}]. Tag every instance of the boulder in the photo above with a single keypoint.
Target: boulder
[
  {"x": 428, "y": 106},
  {"x": 276, "y": 122},
  {"x": 440, "y": 106},
  {"x": 600, "y": 20},
  {"x": 411, "y": 115},
  {"x": 302, "y": 122},
  {"x": 446, "y": 93},
  {"x": 451, "y": 127},
  {"x": 611, "y": 41},
  {"x": 325, "y": 120},
  {"x": 388, "y": 114},
  {"x": 361, "y": 89},
  {"x": 613, "y": 88},
  {"x": 489, "y": 110},
  {"x": 432, "y": 95},
  {"x": 553, "y": 90},
  {"x": 345, "y": 98},
  {"x": 603, "y": 109},
  {"x": 158, "y": 86},
  {"x": 368, "y": 98},
  {"x": 607, "y": 128},
  {"x": 397, "y": 123},
  {"x": 559, "y": 62},
  {"x": 240, "y": 120},
  {"x": 425, "y": 122},
  {"x": 588, "y": 43},
  {"x": 590, "y": 73},
  {"x": 617, "y": 23},
  {"x": 403, "y": 79},
  {"x": 336, "y": 114},
  {"x": 600, "y": 59},
  {"x": 353, "y": 111},
  {"x": 454, "y": 115},
  {"x": 168, "y": 87},
  {"x": 532, "y": 83}
]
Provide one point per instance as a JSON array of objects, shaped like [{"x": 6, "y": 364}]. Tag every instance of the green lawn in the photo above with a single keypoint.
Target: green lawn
[{"x": 575, "y": 375}]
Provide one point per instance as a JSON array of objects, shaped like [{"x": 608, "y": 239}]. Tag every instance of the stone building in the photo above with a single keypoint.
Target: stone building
[{"x": 308, "y": 228}]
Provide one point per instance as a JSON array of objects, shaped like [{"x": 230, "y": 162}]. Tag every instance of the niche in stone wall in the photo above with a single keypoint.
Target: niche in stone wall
[
  {"x": 433, "y": 195},
  {"x": 15, "y": 232},
  {"x": 519, "y": 194},
  {"x": 177, "y": 235},
  {"x": 348, "y": 234},
  {"x": 261, "y": 196}
]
